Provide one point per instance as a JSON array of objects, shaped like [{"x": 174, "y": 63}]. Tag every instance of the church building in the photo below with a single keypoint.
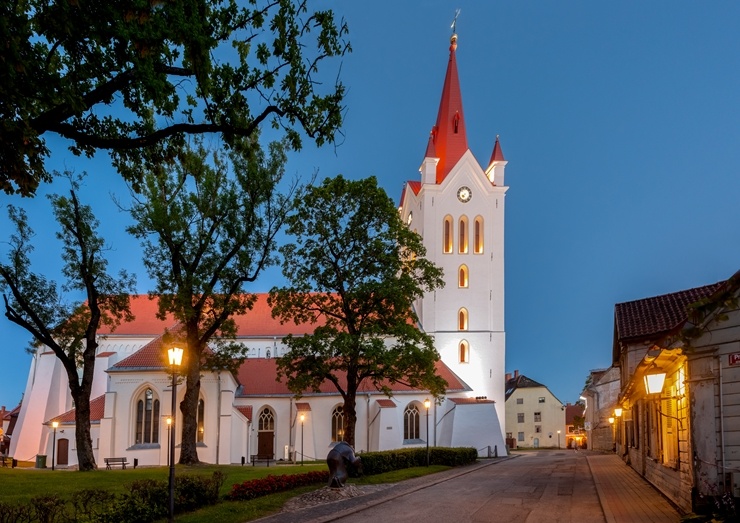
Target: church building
[{"x": 457, "y": 206}]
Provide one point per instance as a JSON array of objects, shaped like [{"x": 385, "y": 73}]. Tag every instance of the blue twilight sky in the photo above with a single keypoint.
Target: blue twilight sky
[{"x": 621, "y": 125}]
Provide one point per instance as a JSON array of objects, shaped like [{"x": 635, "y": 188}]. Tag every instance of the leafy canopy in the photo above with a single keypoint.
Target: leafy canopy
[
  {"x": 355, "y": 270},
  {"x": 125, "y": 75}
]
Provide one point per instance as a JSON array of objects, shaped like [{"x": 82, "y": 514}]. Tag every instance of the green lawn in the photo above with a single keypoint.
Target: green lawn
[{"x": 22, "y": 484}]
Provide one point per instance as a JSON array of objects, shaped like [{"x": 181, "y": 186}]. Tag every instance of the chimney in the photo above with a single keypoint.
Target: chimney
[
  {"x": 516, "y": 374},
  {"x": 508, "y": 376}
]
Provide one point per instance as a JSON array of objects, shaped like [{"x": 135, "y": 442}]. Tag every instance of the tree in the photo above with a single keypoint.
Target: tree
[
  {"x": 354, "y": 270},
  {"x": 68, "y": 329},
  {"x": 126, "y": 76},
  {"x": 208, "y": 227}
]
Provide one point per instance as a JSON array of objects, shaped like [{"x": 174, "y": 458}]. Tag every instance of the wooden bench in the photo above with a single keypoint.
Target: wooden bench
[
  {"x": 258, "y": 458},
  {"x": 115, "y": 461}
]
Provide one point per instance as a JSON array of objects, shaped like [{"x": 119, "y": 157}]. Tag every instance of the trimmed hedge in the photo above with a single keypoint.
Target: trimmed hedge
[
  {"x": 389, "y": 460},
  {"x": 256, "y": 488}
]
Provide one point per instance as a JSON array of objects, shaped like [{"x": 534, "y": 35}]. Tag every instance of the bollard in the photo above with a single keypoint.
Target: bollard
[
  {"x": 136, "y": 462},
  {"x": 495, "y": 451},
  {"x": 244, "y": 460}
]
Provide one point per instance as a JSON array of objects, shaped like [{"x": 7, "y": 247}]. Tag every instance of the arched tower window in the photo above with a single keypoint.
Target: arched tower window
[
  {"x": 447, "y": 235},
  {"x": 337, "y": 423},
  {"x": 463, "y": 240},
  {"x": 464, "y": 352},
  {"x": 147, "y": 418},
  {"x": 411, "y": 422},
  {"x": 462, "y": 319},
  {"x": 478, "y": 235},
  {"x": 462, "y": 277},
  {"x": 200, "y": 438}
]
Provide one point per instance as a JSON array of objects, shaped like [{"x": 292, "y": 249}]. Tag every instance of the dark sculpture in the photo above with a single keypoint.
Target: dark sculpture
[{"x": 338, "y": 459}]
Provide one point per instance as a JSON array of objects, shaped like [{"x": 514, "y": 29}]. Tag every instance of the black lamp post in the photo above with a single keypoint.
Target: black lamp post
[
  {"x": 303, "y": 418},
  {"x": 427, "y": 404},
  {"x": 54, "y": 425},
  {"x": 175, "y": 358},
  {"x": 169, "y": 427}
]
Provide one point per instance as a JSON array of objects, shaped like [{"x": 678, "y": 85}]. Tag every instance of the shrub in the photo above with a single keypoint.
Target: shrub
[
  {"x": 48, "y": 509},
  {"x": 389, "y": 460},
  {"x": 15, "y": 513},
  {"x": 271, "y": 484}
]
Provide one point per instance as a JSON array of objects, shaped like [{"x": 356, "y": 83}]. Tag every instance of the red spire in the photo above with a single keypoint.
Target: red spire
[
  {"x": 497, "y": 155},
  {"x": 431, "y": 151},
  {"x": 450, "y": 140}
]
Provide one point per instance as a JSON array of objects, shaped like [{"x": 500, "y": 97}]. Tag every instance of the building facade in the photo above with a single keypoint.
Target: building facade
[
  {"x": 679, "y": 357},
  {"x": 534, "y": 416}
]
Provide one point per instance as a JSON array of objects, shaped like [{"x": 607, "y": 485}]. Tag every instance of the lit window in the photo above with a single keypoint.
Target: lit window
[
  {"x": 201, "y": 421},
  {"x": 447, "y": 235},
  {"x": 411, "y": 422},
  {"x": 266, "y": 421},
  {"x": 462, "y": 319},
  {"x": 462, "y": 279},
  {"x": 478, "y": 235},
  {"x": 147, "y": 418},
  {"x": 463, "y": 240},
  {"x": 464, "y": 352},
  {"x": 337, "y": 423}
]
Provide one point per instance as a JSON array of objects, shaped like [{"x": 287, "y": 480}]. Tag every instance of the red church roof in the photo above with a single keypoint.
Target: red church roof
[
  {"x": 258, "y": 378},
  {"x": 449, "y": 138},
  {"x": 497, "y": 155},
  {"x": 97, "y": 409}
]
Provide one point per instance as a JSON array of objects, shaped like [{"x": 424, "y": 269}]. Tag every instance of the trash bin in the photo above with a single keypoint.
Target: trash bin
[{"x": 40, "y": 461}]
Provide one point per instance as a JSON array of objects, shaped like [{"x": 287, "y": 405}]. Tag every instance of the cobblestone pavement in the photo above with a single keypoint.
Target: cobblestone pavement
[{"x": 531, "y": 487}]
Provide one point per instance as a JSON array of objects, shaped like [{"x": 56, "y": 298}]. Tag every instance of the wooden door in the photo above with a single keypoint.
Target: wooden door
[
  {"x": 62, "y": 452},
  {"x": 264, "y": 444}
]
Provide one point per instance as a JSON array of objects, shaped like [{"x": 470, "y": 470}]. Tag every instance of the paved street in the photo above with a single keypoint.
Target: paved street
[{"x": 533, "y": 487}]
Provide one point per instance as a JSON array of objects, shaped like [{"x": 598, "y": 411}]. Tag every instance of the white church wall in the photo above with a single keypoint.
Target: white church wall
[{"x": 476, "y": 425}]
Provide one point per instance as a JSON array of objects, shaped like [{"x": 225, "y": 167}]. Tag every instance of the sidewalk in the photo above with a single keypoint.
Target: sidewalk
[{"x": 625, "y": 496}]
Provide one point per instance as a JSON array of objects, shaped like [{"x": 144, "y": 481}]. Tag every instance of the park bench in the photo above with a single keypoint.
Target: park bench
[
  {"x": 115, "y": 461},
  {"x": 259, "y": 458}
]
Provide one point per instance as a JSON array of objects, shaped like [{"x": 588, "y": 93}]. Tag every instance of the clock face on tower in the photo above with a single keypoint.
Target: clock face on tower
[{"x": 464, "y": 194}]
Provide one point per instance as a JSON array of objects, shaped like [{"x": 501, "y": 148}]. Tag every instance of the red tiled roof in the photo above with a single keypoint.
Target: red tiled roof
[
  {"x": 105, "y": 354},
  {"x": 431, "y": 152},
  {"x": 303, "y": 407},
  {"x": 656, "y": 316},
  {"x": 258, "y": 378},
  {"x": 450, "y": 139},
  {"x": 415, "y": 186},
  {"x": 256, "y": 322},
  {"x": 150, "y": 356},
  {"x": 246, "y": 411},
  {"x": 97, "y": 409},
  {"x": 469, "y": 401},
  {"x": 386, "y": 404}
]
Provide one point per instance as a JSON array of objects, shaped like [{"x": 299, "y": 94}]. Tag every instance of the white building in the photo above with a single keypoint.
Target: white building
[
  {"x": 457, "y": 207},
  {"x": 534, "y": 416}
]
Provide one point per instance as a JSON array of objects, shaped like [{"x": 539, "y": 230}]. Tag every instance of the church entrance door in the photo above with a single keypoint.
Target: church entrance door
[{"x": 62, "y": 452}]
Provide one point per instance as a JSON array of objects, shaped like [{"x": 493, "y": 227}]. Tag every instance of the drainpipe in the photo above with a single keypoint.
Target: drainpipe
[
  {"x": 290, "y": 430},
  {"x": 218, "y": 422},
  {"x": 721, "y": 425},
  {"x": 367, "y": 424}
]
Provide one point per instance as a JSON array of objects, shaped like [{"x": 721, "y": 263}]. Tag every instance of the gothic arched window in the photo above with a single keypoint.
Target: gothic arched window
[
  {"x": 462, "y": 319},
  {"x": 201, "y": 421},
  {"x": 447, "y": 235},
  {"x": 478, "y": 235},
  {"x": 462, "y": 277},
  {"x": 337, "y": 423},
  {"x": 147, "y": 418},
  {"x": 462, "y": 245},
  {"x": 464, "y": 352},
  {"x": 411, "y": 422}
]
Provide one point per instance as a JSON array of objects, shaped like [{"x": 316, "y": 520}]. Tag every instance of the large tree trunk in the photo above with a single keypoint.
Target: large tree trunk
[
  {"x": 83, "y": 438},
  {"x": 350, "y": 417},
  {"x": 189, "y": 405}
]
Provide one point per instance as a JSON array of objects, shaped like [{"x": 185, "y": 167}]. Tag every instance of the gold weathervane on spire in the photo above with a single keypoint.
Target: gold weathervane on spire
[{"x": 454, "y": 21}]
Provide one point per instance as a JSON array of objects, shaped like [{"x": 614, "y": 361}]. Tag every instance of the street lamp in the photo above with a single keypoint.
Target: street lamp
[
  {"x": 654, "y": 383},
  {"x": 558, "y": 439},
  {"x": 175, "y": 358},
  {"x": 169, "y": 427},
  {"x": 303, "y": 418},
  {"x": 427, "y": 404},
  {"x": 54, "y": 425}
]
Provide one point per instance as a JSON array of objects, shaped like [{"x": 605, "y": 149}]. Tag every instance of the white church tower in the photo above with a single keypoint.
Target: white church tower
[{"x": 458, "y": 208}]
